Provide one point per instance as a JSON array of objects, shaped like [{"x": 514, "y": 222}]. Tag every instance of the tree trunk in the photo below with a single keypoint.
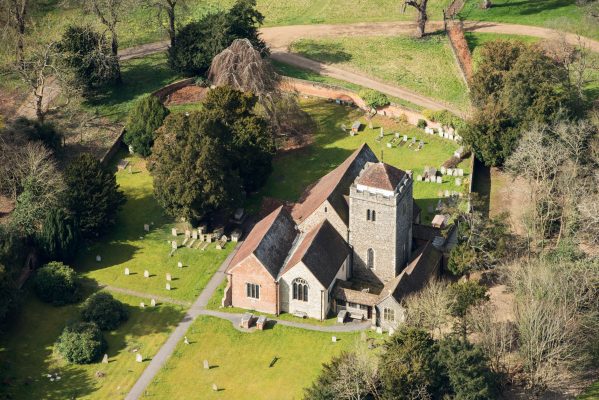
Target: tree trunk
[
  {"x": 422, "y": 18},
  {"x": 114, "y": 47},
  {"x": 39, "y": 107},
  {"x": 171, "y": 24}
]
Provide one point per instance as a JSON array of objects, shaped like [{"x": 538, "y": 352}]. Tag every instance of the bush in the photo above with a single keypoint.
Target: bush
[
  {"x": 81, "y": 343},
  {"x": 57, "y": 284},
  {"x": 145, "y": 117},
  {"x": 92, "y": 195},
  {"x": 374, "y": 99},
  {"x": 104, "y": 310},
  {"x": 421, "y": 124},
  {"x": 35, "y": 131}
]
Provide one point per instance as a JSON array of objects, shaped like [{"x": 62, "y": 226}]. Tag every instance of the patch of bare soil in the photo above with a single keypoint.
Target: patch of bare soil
[
  {"x": 509, "y": 195},
  {"x": 6, "y": 207},
  {"x": 187, "y": 94},
  {"x": 10, "y": 100}
]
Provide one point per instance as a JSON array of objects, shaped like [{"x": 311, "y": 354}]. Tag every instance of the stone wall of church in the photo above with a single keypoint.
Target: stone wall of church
[
  {"x": 324, "y": 211},
  {"x": 317, "y": 303}
]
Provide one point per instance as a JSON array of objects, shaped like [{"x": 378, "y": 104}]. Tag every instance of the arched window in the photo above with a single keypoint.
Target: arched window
[
  {"x": 370, "y": 258},
  {"x": 300, "y": 289},
  {"x": 367, "y": 215},
  {"x": 373, "y": 215}
]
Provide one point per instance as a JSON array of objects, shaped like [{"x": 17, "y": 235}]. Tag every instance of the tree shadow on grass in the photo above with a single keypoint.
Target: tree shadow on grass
[{"x": 326, "y": 52}]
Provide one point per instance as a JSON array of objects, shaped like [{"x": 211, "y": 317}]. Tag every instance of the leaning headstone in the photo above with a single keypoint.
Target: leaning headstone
[
  {"x": 146, "y": 274},
  {"x": 153, "y": 302},
  {"x": 168, "y": 286},
  {"x": 142, "y": 305},
  {"x": 127, "y": 272},
  {"x": 206, "y": 365},
  {"x": 214, "y": 387},
  {"x": 105, "y": 359},
  {"x": 180, "y": 264},
  {"x": 147, "y": 227},
  {"x": 334, "y": 339},
  {"x": 98, "y": 258},
  {"x": 139, "y": 358},
  {"x": 169, "y": 277},
  {"x": 174, "y": 231}
]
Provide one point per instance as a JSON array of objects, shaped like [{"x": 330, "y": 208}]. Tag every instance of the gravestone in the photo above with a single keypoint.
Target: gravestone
[
  {"x": 458, "y": 182},
  {"x": 142, "y": 305},
  {"x": 174, "y": 231},
  {"x": 146, "y": 274},
  {"x": 446, "y": 193},
  {"x": 427, "y": 179},
  {"x": 389, "y": 145},
  {"x": 127, "y": 272},
  {"x": 439, "y": 179},
  {"x": 105, "y": 359},
  {"x": 449, "y": 171},
  {"x": 139, "y": 358},
  {"x": 379, "y": 329},
  {"x": 146, "y": 227},
  {"x": 168, "y": 286},
  {"x": 185, "y": 340},
  {"x": 460, "y": 172},
  {"x": 194, "y": 234},
  {"x": 98, "y": 258},
  {"x": 174, "y": 245},
  {"x": 419, "y": 178},
  {"x": 187, "y": 233},
  {"x": 206, "y": 365},
  {"x": 382, "y": 133},
  {"x": 443, "y": 170},
  {"x": 391, "y": 331},
  {"x": 334, "y": 339},
  {"x": 405, "y": 138},
  {"x": 169, "y": 277},
  {"x": 214, "y": 387},
  {"x": 179, "y": 264},
  {"x": 153, "y": 302},
  {"x": 397, "y": 135}
]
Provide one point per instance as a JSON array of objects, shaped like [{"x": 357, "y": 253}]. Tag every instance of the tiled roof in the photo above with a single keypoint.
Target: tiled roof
[
  {"x": 346, "y": 291},
  {"x": 322, "y": 250},
  {"x": 416, "y": 275},
  {"x": 269, "y": 241},
  {"x": 381, "y": 176},
  {"x": 333, "y": 186}
]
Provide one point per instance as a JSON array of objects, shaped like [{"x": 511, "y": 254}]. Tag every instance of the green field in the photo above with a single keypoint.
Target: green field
[
  {"x": 295, "y": 170},
  {"x": 563, "y": 15},
  {"x": 128, "y": 246},
  {"x": 240, "y": 362},
  {"x": 26, "y": 352},
  {"x": 425, "y": 66}
]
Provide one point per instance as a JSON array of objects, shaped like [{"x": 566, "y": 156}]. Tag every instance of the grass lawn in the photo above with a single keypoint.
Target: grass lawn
[
  {"x": 295, "y": 170},
  {"x": 26, "y": 352},
  {"x": 563, "y": 15},
  {"x": 240, "y": 362},
  {"x": 140, "y": 77},
  {"x": 299, "y": 73},
  {"x": 128, "y": 246},
  {"x": 592, "y": 392},
  {"x": 426, "y": 66}
]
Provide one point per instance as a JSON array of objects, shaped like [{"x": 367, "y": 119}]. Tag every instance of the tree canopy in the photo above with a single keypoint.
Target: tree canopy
[
  {"x": 146, "y": 116},
  {"x": 57, "y": 284},
  {"x": 81, "y": 343},
  {"x": 203, "y": 161}
]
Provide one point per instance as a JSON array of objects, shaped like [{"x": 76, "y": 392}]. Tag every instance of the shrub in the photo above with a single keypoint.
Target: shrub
[
  {"x": 81, "y": 343},
  {"x": 374, "y": 99},
  {"x": 428, "y": 114},
  {"x": 421, "y": 124},
  {"x": 57, "y": 284},
  {"x": 37, "y": 132},
  {"x": 104, "y": 310},
  {"x": 145, "y": 117}
]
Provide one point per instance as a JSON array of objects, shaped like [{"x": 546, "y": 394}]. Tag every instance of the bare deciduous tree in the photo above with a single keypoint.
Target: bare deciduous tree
[
  {"x": 108, "y": 12},
  {"x": 168, "y": 7},
  {"x": 16, "y": 21},
  {"x": 428, "y": 308},
  {"x": 420, "y": 6},
  {"x": 243, "y": 67},
  {"x": 358, "y": 376}
]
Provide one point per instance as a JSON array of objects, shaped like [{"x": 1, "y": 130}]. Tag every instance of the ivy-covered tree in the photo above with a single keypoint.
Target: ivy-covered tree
[
  {"x": 205, "y": 160},
  {"x": 146, "y": 116},
  {"x": 59, "y": 235},
  {"x": 87, "y": 55},
  {"x": 81, "y": 343},
  {"x": 514, "y": 86},
  {"x": 198, "y": 42},
  {"x": 92, "y": 195}
]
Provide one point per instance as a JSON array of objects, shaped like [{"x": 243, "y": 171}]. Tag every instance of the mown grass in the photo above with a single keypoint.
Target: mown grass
[
  {"x": 26, "y": 352},
  {"x": 128, "y": 246},
  {"x": 563, "y": 15},
  {"x": 426, "y": 66},
  {"x": 296, "y": 170},
  {"x": 241, "y": 362}
]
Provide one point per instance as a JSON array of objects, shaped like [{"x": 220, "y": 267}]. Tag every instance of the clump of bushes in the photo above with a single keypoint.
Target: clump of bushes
[
  {"x": 147, "y": 115},
  {"x": 57, "y": 284},
  {"x": 444, "y": 117},
  {"x": 374, "y": 99},
  {"x": 421, "y": 124},
  {"x": 104, "y": 310},
  {"x": 81, "y": 343}
]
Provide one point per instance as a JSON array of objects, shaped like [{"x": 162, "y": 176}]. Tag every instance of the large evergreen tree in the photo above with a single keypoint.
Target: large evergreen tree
[
  {"x": 59, "y": 235},
  {"x": 92, "y": 195},
  {"x": 144, "y": 119}
]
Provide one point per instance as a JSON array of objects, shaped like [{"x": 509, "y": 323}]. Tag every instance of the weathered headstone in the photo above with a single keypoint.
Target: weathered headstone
[
  {"x": 419, "y": 178},
  {"x": 185, "y": 340},
  {"x": 146, "y": 274},
  {"x": 105, "y": 359},
  {"x": 174, "y": 245},
  {"x": 443, "y": 170},
  {"x": 127, "y": 272},
  {"x": 194, "y": 234},
  {"x": 439, "y": 179},
  {"x": 391, "y": 331},
  {"x": 405, "y": 138},
  {"x": 379, "y": 329},
  {"x": 168, "y": 286},
  {"x": 458, "y": 182},
  {"x": 174, "y": 231},
  {"x": 179, "y": 264},
  {"x": 187, "y": 233},
  {"x": 389, "y": 145},
  {"x": 139, "y": 358},
  {"x": 146, "y": 227},
  {"x": 449, "y": 171},
  {"x": 98, "y": 258},
  {"x": 153, "y": 302},
  {"x": 206, "y": 365},
  {"x": 142, "y": 305},
  {"x": 169, "y": 277},
  {"x": 460, "y": 172},
  {"x": 334, "y": 339},
  {"x": 214, "y": 387}
]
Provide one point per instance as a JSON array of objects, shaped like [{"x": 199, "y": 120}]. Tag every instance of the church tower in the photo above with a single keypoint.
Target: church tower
[{"x": 380, "y": 222}]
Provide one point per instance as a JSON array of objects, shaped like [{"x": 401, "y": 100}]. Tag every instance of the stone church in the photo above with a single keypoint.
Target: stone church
[{"x": 352, "y": 243}]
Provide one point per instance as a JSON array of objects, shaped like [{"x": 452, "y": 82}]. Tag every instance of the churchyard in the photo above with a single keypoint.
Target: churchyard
[
  {"x": 275, "y": 363},
  {"x": 35, "y": 372}
]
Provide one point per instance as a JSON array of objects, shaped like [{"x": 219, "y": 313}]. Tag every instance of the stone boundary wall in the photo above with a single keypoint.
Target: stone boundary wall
[
  {"x": 110, "y": 153},
  {"x": 460, "y": 49}
]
